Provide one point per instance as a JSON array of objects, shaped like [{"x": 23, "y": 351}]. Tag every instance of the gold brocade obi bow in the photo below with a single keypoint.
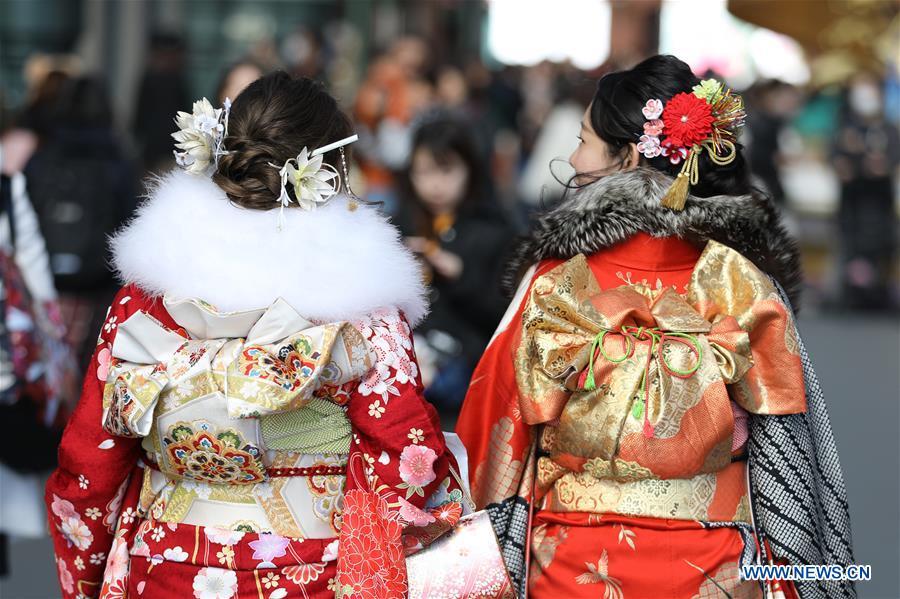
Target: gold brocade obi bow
[
  {"x": 203, "y": 391},
  {"x": 635, "y": 380}
]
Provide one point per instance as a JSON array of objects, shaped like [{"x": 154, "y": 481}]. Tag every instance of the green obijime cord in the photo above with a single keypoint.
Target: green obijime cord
[{"x": 657, "y": 340}]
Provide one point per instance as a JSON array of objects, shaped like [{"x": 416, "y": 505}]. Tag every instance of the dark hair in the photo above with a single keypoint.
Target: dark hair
[
  {"x": 617, "y": 119},
  {"x": 446, "y": 136},
  {"x": 272, "y": 120},
  {"x": 84, "y": 103},
  {"x": 38, "y": 115}
]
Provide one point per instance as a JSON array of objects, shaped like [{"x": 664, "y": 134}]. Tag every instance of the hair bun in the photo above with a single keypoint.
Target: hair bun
[
  {"x": 245, "y": 175},
  {"x": 271, "y": 121}
]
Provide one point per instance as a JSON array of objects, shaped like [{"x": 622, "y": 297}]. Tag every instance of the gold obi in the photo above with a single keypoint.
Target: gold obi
[
  {"x": 632, "y": 384},
  {"x": 715, "y": 496}
]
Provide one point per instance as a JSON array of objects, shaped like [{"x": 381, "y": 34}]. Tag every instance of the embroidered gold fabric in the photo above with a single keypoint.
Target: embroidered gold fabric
[{"x": 635, "y": 385}]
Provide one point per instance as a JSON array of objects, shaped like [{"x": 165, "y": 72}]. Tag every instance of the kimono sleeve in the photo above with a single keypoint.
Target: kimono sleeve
[
  {"x": 490, "y": 424},
  {"x": 83, "y": 495},
  {"x": 395, "y": 429}
]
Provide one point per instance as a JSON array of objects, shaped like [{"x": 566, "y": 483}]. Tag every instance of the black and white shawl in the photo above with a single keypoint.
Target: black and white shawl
[{"x": 800, "y": 503}]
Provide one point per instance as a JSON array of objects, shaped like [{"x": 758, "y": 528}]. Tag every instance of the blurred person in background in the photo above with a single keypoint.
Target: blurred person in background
[
  {"x": 83, "y": 185},
  {"x": 46, "y": 77},
  {"x": 236, "y": 78},
  {"x": 772, "y": 104},
  {"x": 394, "y": 92},
  {"x": 452, "y": 89},
  {"x": 37, "y": 372},
  {"x": 866, "y": 154},
  {"x": 304, "y": 53},
  {"x": 162, "y": 92},
  {"x": 454, "y": 224},
  {"x": 650, "y": 352},
  {"x": 541, "y": 187}
]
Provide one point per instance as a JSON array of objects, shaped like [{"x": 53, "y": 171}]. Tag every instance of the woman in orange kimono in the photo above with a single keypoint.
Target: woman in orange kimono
[{"x": 645, "y": 421}]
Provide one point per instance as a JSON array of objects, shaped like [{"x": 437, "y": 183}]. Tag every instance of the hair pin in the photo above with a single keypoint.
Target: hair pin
[{"x": 334, "y": 146}]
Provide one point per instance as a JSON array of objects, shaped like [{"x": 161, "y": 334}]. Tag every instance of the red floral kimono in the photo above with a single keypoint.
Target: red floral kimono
[
  {"x": 153, "y": 498},
  {"x": 612, "y": 405}
]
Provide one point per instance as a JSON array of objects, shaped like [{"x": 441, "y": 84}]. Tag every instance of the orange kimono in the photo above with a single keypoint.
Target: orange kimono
[{"x": 608, "y": 418}]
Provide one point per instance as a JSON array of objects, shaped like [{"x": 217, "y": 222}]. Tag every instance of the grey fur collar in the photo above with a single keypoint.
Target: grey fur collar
[{"x": 618, "y": 206}]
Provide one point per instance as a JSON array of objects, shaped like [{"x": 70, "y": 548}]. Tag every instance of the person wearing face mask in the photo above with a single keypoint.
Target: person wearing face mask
[
  {"x": 866, "y": 153},
  {"x": 645, "y": 421},
  {"x": 461, "y": 236}
]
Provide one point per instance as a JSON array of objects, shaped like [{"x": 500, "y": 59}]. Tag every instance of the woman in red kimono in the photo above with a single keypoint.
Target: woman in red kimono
[
  {"x": 252, "y": 423},
  {"x": 647, "y": 361}
]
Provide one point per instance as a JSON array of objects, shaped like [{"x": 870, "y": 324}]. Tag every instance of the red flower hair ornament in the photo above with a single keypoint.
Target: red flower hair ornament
[{"x": 707, "y": 119}]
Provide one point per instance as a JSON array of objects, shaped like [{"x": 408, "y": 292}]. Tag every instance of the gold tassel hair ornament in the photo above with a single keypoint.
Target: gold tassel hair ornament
[
  {"x": 711, "y": 105},
  {"x": 689, "y": 174}
]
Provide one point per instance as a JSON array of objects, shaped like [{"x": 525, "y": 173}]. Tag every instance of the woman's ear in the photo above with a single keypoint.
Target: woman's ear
[{"x": 632, "y": 158}]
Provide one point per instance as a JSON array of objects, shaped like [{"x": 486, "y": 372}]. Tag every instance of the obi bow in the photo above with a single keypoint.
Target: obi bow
[
  {"x": 570, "y": 332},
  {"x": 263, "y": 362},
  {"x": 640, "y": 383},
  {"x": 656, "y": 338}
]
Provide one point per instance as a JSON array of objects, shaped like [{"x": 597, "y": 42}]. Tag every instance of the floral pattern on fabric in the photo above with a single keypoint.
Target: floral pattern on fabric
[
  {"x": 221, "y": 457},
  {"x": 675, "y": 558},
  {"x": 137, "y": 544},
  {"x": 371, "y": 563},
  {"x": 180, "y": 560}
]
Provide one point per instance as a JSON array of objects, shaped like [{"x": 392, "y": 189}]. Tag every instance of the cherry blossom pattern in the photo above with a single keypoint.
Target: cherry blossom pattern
[
  {"x": 111, "y": 324},
  {"x": 76, "y": 533},
  {"x": 331, "y": 551},
  {"x": 416, "y": 435},
  {"x": 65, "y": 577},
  {"x": 416, "y": 469},
  {"x": 654, "y": 127},
  {"x": 104, "y": 357},
  {"x": 223, "y": 536},
  {"x": 653, "y": 109},
  {"x": 270, "y": 580},
  {"x": 414, "y": 515},
  {"x": 649, "y": 146},
  {"x": 116, "y": 572},
  {"x": 215, "y": 583},
  {"x": 376, "y": 410},
  {"x": 390, "y": 338}
]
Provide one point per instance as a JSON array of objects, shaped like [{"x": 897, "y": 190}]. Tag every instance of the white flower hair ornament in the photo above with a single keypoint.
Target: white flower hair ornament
[
  {"x": 314, "y": 180},
  {"x": 201, "y": 136}
]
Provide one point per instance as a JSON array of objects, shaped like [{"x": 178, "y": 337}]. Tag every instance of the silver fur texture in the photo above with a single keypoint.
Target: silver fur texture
[{"x": 616, "y": 207}]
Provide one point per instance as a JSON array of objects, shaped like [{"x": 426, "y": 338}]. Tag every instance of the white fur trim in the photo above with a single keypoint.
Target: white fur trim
[{"x": 189, "y": 241}]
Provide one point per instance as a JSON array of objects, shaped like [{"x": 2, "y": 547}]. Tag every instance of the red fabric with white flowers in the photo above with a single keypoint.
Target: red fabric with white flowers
[{"x": 106, "y": 547}]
